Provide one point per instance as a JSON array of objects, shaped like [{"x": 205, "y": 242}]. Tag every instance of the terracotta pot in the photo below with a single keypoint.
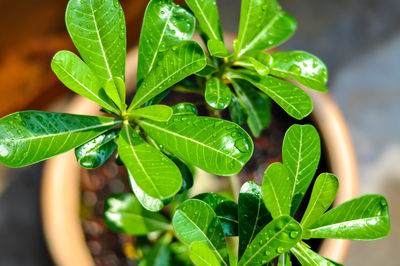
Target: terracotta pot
[{"x": 60, "y": 195}]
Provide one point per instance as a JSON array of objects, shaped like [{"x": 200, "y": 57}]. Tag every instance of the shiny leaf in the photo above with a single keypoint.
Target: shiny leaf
[
  {"x": 217, "y": 48},
  {"x": 115, "y": 89},
  {"x": 237, "y": 111},
  {"x": 218, "y": 94},
  {"x": 165, "y": 25},
  {"x": 97, "y": 28},
  {"x": 32, "y": 136},
  {"x": 195, "y": 221},
  {"x": 161, "y": 113},
  {"x": 322, "y": 196},
  {"x": 186, "y": 172},
  {"x": 202, "y": 255},
  {"x": 308, "y": 257},
  {"x": 261, "y": 62},
  {"x": 277, "y": 237},
  {"x": 284, "y": 260},
  {"x": 94, "y": 153},
  {"x": 214, "y": 145},
  {"x": 176, "y": 64},
  {"x": 123, "y": 213},
  {"x": 363, "y": 218},
  {"x": 301, "y": 152},
  {"x": 184, "y": 109},
  {"x": 153, "y": 171},
  {"x": 302, "y": 67},
  {"x": 209, "y": 69}
]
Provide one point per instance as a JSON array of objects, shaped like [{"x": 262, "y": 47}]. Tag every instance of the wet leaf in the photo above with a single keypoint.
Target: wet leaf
[
  {"x": 237, "y": 111},
  {"x": 218, "y": 49},
  {"x": 202, "y": 255},
  {"x": 218, "y": 95},
  {"x": 308, "y": 257},
  {"x": 160, "y": 113}
]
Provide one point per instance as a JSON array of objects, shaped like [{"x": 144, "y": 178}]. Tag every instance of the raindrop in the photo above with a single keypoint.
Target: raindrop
[
  {"x": 280, "y": 250},
  {"x": 295, "y": 69},
  {"x": 383, "y": 203},
  {"x": 242, "y": 145},
  {"x": 294, "y": 234},
  {"x": 116, "y": 3},
  {"x": 19, "y": 131}
]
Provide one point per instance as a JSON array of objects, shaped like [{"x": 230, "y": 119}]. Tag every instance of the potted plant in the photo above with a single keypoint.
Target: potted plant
[{"x": 159, "y": 145}]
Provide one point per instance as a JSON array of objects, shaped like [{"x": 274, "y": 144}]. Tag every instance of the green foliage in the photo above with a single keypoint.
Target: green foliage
[{"x": 218, "y": 94}]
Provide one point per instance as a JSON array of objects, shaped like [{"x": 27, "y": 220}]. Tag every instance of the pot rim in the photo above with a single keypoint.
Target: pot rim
[{"x": 60, "y": 189}]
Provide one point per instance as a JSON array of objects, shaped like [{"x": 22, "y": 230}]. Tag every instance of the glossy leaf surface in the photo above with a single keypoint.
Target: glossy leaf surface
[
  {"x": 237, "y": 111},
  {"x": 184, "y": 109},
  {"x": 32, "y": 136},
  {"x": 308, "y": 257},
  {"x": 291, "y": 98},
  {"x": 301, "y": 152},
  {"x": 322, "y": 196},
  {"x": 165, "y": 24},
  {"x": 206, "y": 12},
  {"x": 176, "y": 64},
  {"x": 195, "y": 221},
  {"x": 262, "y": 25},
  {"x": 253, "y": 215},
  {"x": 202, "y": 255},
  {"x": 123, "y": 213},
  {"x": 153, "y": 171},
  {"x": 161, "y": 113},
  {"x": 257, "y": 106},
  {"x": 363, "y": 218},
  {"x": 218, "y": 94},
  {"x": 78, "y": 77},
  {"x": 94, "y": 153},
  {"x": 261, "y": 62},
  {"x": 277, "y": 237},
  {"x": 115, "y": 89},
  {"x": 277, "y": 190},
  {"x": 222, "y": 152},
  {"x": 217, "y": 48},
  {"x": 302, "y": 67},
  {"x": 97, "y": 28}
]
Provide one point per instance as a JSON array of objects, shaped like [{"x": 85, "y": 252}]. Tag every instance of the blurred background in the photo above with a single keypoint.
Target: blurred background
[{"x": 359, "y": 40}]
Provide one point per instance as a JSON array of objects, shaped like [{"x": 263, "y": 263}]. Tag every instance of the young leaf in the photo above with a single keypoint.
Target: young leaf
[
  {"x": 363, "y": 218},
  {"x": 303, "y": 67},
  {"x": 176, "y": 64},
  {"x": 209, "y": 69},
  {"x": 284, "y": 260},
  {"x": 165, "y": 24},
  {"x": 94, "y": 153},
  {"x": 308, "y": 257},
  {"x": 262, "y": 25},
  {"x": 184, "y": 109},
  {"x": 217, "y": 48},
  {"x": 226, "y": 211},
  {"x": 261, "y": 62},
  {"x": 153, "y": 171},
  {"x": 214, "y": 145},
  {"x": 202, "y": 255},
  {"x": 32, "y": 136},
  {"x": 218, "y": 94},
  {"x": 257, "y": 105},
  {"x": 206, "y": 12},
  {"x": 97, "y": 28},
  {"x": 115, "y": 89},
  {"x": 291, "y": 98},
  {"x": 322, "y": 196},
  {"x": 237, "y": 111},
  {"x": 195, "y": 221},
  {"x": 148, "y": 202},
  {"x": 277, "y": 190},
  {"x": 253, "y": 215},
  {"x": 277, "y": 237},
  {"x": 123, "y": 213},
  {"x": 78, "y": 77},
  {"x": 161, "y": 113},
  {"x": 301, "y": 151}
]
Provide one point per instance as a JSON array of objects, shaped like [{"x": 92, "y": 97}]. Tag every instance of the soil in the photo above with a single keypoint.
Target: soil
[{"x": 111, "y": 248}]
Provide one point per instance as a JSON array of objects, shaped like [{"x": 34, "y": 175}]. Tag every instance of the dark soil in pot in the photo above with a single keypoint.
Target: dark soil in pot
[{"x": 111, "y": 248}]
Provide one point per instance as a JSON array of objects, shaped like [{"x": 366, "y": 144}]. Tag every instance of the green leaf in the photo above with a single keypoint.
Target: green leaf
[
  {"x": 186, "y": 172},
  {"x": 261, "y": 62},
  {"x": 217, "y": 146},
  {"x": 184, "y": 109},
  {"x": 148, "y": 202},
  {"x": 202, "y": 255},
  {"x": 153, "y": 171},
  {"x": 206, "y": 12},
  {"x": 209, "y": 69},
  {"x": 291, "y": 98},
  {"x": 262, "y": 25},
  {"x": 277, "y": 189},
  {"x": 115, "y": 89},
  {"x": 195, "y": 221},
  {"x": 218, "y": 94},
  {"x": 77, "y": 76},
  {"x": 237, "y": 111},
  {"x": 302, "y": 67},
  {"x": 97, "y": 28},
  {"x": 94, "y": 153},
  {"x": 322, "y": 196},
  {"x": 226, "y": 211},
  {"x": 161, "y": 113},
  {"x": 160, "y": 254},
  {"x": 257, "y": 106},
  {"x": 32, "y": 136},
  {"x": 165, "y": 25},
  {"x": 363, "y": 218},
  {"x": 252, "y": 213},
  {"x": 308, "y": 257},
  {"x": 301, "y": 152},
  {"x": 277, "y": 237},
  {"x": 218, "y": 49},
  {"x": 123, "y": 213},
  {"x": 176, "y": 64},
  {"x": 284, "y": 260}
]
